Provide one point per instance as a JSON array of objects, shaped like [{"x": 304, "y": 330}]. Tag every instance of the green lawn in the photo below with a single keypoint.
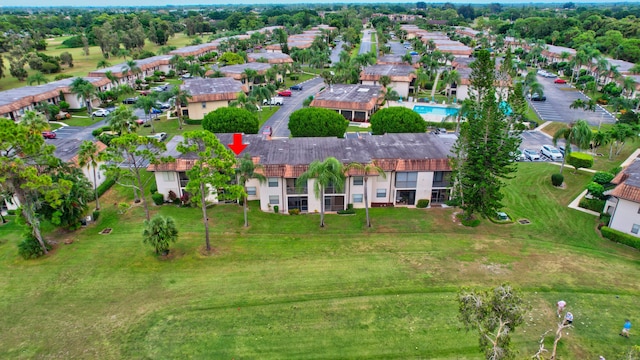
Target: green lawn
[
  {"x": 82, "y": 64},
  {"x": 302, "y": 77},
  {"x": 284, "y": 288}
]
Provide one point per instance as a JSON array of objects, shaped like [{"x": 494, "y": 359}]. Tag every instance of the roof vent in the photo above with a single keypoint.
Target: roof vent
[{"x": 363, "y": 90}]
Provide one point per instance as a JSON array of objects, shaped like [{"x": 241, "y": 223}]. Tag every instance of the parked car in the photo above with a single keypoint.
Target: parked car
[
  {"x": 163, "y": 106},
  {"x": 531, "y": 154},
  {"x": 161, "y": 136},
  {"x": 186, "y": 76},
  {"x": 296, "y": 87},
  {"x": 155, "y": 111},
  {"x": 537, "y": 97},
  {"x": 49, "y": 134},
  {"x": 131, "y": 100},
  {"x": 551, "y": 152},
  {"x": 559, "y": 81},
  {"x": 139, "y": 121},
  {"x": 284, "y": 93},
  {"x": 519, "y": 155},
  {"x": 100, "y": 113},
  {"x": 561, "y": 149},
  {"x": 273, "y": 101}
]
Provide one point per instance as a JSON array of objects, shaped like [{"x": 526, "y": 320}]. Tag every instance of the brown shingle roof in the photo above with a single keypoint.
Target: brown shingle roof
[
  {"x": 349, "y": 97},
  {"x": 401, "y": 73},
  {"x": 212, "y": 89}
]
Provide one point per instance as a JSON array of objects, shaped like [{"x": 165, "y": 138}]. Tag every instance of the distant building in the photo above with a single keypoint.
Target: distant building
[
  {"x": 401, "y": 76},
  {"x": 624, "y": 202},
  {"x": 237, "y": 72},
  {"x": 209, "y": 94},
  {"x": 270, "y": 57},
  {"x": 354, "y": 102}
]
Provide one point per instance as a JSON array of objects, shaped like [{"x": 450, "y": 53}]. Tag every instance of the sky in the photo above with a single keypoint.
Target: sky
[{"x": 128, "y": 3}]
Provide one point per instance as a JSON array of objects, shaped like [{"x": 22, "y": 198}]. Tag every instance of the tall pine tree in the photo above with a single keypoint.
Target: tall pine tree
[{"x": 486, "y": 145}]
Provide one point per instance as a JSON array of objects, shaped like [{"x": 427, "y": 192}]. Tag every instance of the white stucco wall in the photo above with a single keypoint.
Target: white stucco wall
[
  {"x": 265, "y": 192},
  {"x": 168, "y": 181},
  {"x": 425, "y": 182},
  {"x": 100, "y": 174},
  {"x": 624, "y": 216}
]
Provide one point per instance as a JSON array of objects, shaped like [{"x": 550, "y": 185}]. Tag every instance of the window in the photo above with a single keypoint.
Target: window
[
  {"x": 639, "y": 210},
  {"x": 635, "y": 228},
  {"x": 358, "y": 180},
  {"x": 438, "y": 176},
  {"x": 381, "y": 193},
  {"x": 357, "y": 198},
  {"x": 204, "y": 105},
  {"x": 406, "y": 179},
  {"x": 251, "y": 190},
  {"x": 274, "y": 199},
  {"x": 273, "y": 182},
  {"x": 168, "y": 176}
]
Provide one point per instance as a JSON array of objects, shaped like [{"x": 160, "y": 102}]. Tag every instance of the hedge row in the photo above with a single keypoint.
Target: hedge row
[
  {"x": 592, "y": 204},
  {"x": 106, "y": 185},
  {"x": 192, "y": 122},
  {"x": 620, "y": 237}
]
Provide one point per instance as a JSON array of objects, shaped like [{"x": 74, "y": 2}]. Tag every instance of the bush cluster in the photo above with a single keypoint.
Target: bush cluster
[
  {"x": 231, "y": 120},
  {"x": 30, "y": 248},
  {"x": 620, "y": 237},
  {"x": 106, "y": 185},
  {"x": 422, "y": 203},
  {"x": 592, "y": 204},
  {"x": 157, "y": 198}
]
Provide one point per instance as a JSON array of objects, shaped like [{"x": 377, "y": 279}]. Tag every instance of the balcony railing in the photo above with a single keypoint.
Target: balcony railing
[{"x": 296, "y": 190}]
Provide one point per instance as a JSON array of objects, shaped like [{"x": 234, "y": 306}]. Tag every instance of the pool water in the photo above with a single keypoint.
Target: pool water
[{"x": 434, "y": 110}]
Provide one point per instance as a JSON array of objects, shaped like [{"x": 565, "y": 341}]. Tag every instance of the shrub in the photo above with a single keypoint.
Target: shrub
[
  {"x": 106, "y": 138},
  {"x": 294, "y": 211},
  {"x": 616, "y": 170},
  {"x": 106, "y": 185},
  {"x": 596, "y": 190},
  {"x": 473, "y": 222},
  {"x": 173, "y": 197},
  {"x": 557, "y": 179},
  {"x": 422, "y": 203},
  {"x": 30, "y": 248},
  {"x": 397, "y": 119},
  {"x": 294, "y": 77},
  {"x": 592, "y": 204},
  {"x": 620, "y": 237},
  {"x": 349, "y": 210},
  {"x": 312, "y": 121},
  {"x": 231, "y": 120},
  {"x": 602, "y": 177},
  {"x": 95, "y": 215},
  {"x": 100, "y": 130},
  {"x": 580, "y": 160},
  {"x": 153, "y": 189},
  {"x": 157, "y": 198},
  {"x": 192, "y": 121},
  {"x": 604, "y": 219}
]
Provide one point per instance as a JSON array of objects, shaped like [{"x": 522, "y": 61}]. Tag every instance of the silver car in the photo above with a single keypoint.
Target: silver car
[{"x": 551, "y": 152}]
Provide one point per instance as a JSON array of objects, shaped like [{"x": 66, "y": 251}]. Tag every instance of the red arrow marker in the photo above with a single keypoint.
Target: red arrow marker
[{"x": 237, "y": 145}]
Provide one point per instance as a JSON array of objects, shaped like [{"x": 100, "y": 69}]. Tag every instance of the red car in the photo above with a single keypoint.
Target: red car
[
  {"x": 285, "y": 93},
  {"x": 560, "y": 81},
  {"x": 49, "y": 134}
]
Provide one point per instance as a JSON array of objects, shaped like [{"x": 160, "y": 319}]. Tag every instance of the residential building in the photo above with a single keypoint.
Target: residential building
[
  {"x": 270, "y": 57},
  {"x": 355, "y": 102},
  {"x": 237, "y": 72},
  {"x": 401, "y": 76},
  {"x": 14, "y": 102},
  {"x": 416, "y": 166},
  {"x": 624, "y": 201},
  {"x": 209, "y": 94},
  {"x": 147, "y": 67}
]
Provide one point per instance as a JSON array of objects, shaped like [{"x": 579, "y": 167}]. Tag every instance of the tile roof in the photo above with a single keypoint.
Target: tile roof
[
  {"x": 628, "y": 183},
  {"x": 271, "y": 57},
  {"x": 291, "y": 157}
]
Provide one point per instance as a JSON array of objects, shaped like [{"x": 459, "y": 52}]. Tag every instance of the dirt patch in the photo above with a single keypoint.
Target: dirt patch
[
  {"x": 106, "y": 231},
  {"x": 524, "y": 221}
]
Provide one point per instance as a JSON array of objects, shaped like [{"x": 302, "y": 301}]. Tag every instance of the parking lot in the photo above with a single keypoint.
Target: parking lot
[{"x": 559, "y": 98}]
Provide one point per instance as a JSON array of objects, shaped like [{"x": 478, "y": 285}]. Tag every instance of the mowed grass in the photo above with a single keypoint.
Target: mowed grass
[
  {"x": 601, "y": 161},
  {"x": 284, "y": 288},
  {"x": 82, "y": 64}
]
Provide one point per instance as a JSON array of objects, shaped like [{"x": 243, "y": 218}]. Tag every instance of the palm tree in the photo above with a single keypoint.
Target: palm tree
[
  {"x": 244, "y": 102},
  {"x": 391, "y": 95},
  {"x": 84, "y": 90},
  {"x": 635, "y": 69},
  {"x": 450, "y": 78},
  {"x": 181, "y": 99},
  {"x": 578, "y": 133},
  {"x": 159, "y": 232},
  {"x": 326, "y": 173},
  {"x": 88, "y": 156},
  {"x": 131, "y": 67},
  {"x": 109, "y": 75},
  {"x": 1, "y": 67},
  {"x": 385, "y": 81},
  {"x": 422, "y": 78},
  {"x": 367, "y": 170},
  {"x": 146, "y": 103},
  {"x": 262, "y": 93},
  {"x": 37, "y": 78},
  {"x": 103, "y": 64},
  {"x": 628, "y": 85},
  {"x": 245, "y": 171},
  {"x": 250, "y": 75},
  {"x": 122, "y": 120}
]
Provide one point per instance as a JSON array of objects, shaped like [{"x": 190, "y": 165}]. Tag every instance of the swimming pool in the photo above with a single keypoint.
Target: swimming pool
[{"x": 434, "y": 110}]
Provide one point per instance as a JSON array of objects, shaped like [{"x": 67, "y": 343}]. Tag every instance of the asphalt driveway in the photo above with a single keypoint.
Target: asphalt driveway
[{"x": 559, "y": 98}]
